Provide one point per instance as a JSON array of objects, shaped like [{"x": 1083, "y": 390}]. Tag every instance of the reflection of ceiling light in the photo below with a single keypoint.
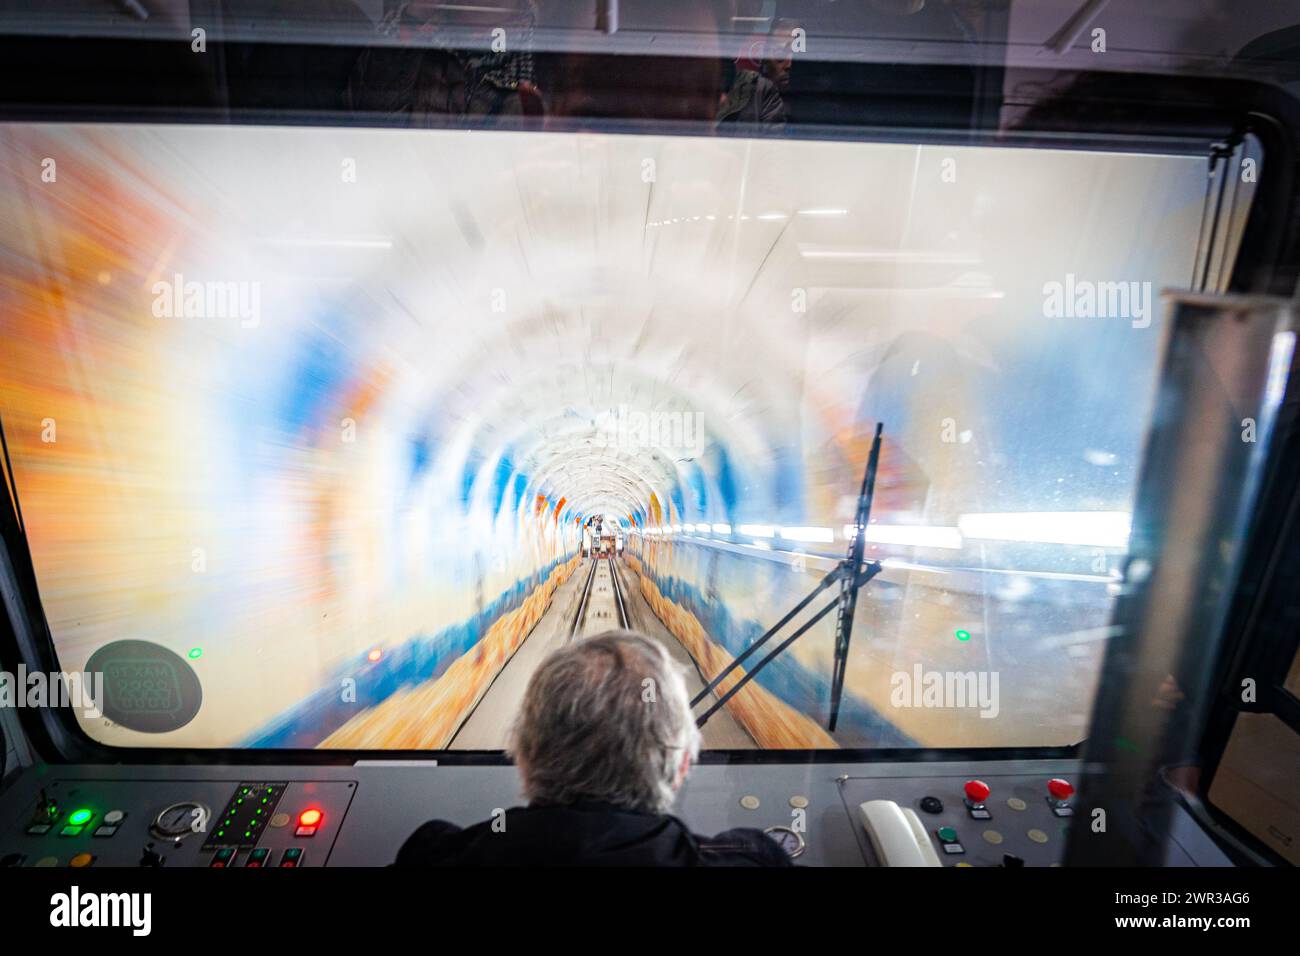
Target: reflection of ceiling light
[
  {"x": 908, "y": 256},
  {"x": 722, "y": 528},
  {"x": 757, "y": 530},
  {"x": 770, "y": 216},
  {"x": 1103, "y": 529},
  {"x": 690, "y": 528},
  {"x": 823, "y": 212},
  {"x": 373, "y": 243}
]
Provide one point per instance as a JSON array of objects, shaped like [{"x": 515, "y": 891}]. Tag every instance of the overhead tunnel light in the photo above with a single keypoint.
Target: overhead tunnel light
[
  {"x": 910, "y": 535},
  {"x": 722, "y": 529},
  {"x": 1101, "y": 529},
  {"x": 817, "y": 535},
  {"x": 758, "y": 530}
]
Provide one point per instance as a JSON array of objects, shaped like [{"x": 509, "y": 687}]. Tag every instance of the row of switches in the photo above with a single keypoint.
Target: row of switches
[{"x": 258, "y": 858}]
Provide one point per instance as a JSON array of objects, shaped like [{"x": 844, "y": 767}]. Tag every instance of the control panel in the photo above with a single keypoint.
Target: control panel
[
  {"x": 1006, "y": 820},
  {"x": 981, "y": 813},
  {"x": 107, "y": 822}
]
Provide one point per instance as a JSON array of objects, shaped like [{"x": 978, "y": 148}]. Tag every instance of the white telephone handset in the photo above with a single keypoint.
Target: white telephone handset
[{"x": 897, "y": 835}]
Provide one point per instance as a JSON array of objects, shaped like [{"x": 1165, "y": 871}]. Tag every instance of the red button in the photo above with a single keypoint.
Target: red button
[
  {"x": 1060, "y": 789},
  {"x": 977, "y": 791}
]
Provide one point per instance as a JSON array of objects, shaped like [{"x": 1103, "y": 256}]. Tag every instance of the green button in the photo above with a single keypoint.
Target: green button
[{"x": 947, "y": 834}]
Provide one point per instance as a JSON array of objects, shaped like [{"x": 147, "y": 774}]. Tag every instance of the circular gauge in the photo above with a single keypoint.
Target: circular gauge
[
  {"x": 789, "y": 840},
  {"x": 180, "y": 819}
]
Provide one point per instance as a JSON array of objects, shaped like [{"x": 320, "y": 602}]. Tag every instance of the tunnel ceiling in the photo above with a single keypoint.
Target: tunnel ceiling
[{"x": 602, "y": 311}]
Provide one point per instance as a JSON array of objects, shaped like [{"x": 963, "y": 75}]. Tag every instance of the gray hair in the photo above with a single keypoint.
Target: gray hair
[{"x": 606, "y": 719}]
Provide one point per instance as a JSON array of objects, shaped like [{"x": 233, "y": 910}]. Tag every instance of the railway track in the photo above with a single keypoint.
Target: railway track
[{"x": 602, "y": 606}]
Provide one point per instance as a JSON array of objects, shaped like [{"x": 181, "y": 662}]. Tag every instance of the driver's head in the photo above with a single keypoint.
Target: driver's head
[{"x": 608, "y": 720}]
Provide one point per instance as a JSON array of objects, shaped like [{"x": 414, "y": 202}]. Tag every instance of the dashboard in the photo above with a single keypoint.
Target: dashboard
[{"x": 991, "y": 813}]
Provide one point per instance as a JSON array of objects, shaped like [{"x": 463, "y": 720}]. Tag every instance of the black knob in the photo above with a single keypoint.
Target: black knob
[
  {"x": 932, "y": 805},
  {"x": 150, "y": 857},
  {"x": 47, "y": 811}
]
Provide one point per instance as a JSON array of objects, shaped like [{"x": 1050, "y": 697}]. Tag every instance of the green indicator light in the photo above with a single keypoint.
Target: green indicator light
[
  {"x": 963, "y": 635},
  {"x": 245, "y": 790},
  {"x": 221, "y": 833},
  {"x": 80, "y": 817},
  {"x": 247, "y": 833},
  {"x": 947, "y": 834},
  {"x": 264, "y": 799},
  {"x": 195, "y": 653}
]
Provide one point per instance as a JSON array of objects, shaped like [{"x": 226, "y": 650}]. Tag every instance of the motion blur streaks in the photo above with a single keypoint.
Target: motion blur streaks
[{"x": 332, "y": 405}]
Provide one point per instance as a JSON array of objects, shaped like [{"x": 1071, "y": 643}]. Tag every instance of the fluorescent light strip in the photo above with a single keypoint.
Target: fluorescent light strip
[
  {"x": 757, "y": 530},
  {"x": 818, "y": 535},
  {"x": 1102, "y": 529},
  {"x": 911, "y": 256},
  {"x": 332, "y": 243},
  {"x": 910, "y": 535}
]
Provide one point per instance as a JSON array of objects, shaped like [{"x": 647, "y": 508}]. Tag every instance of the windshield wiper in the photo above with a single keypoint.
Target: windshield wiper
[{"x": 850, "y": 574}]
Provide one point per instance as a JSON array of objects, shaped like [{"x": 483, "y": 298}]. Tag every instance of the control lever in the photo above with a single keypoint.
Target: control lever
[
  {"x": 150, "y": 857},
  {"x": 47, "y": 811}
]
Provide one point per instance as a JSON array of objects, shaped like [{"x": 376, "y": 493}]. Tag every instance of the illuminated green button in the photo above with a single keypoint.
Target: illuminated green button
[
  {"x": 80, "y": 817},
  {"x": 947, "y": 834}
]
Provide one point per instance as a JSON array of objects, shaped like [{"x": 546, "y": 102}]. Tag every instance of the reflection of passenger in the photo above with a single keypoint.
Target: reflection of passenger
[
  {"x": 426, "y": 77},
  {"x": 636, "y": 88},
  {"x": 603, "y": 740},
  {"x": 754, "y": 96},
  {"x": 780, "y": 54},
  {"x": 753, "y": 100}
]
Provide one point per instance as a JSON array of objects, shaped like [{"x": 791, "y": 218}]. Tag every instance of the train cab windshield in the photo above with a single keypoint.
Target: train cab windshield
[{"x": 332, "y": 419}]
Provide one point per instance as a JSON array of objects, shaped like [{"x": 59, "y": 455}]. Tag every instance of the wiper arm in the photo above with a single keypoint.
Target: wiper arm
[{"x": 851, "y": 574}]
